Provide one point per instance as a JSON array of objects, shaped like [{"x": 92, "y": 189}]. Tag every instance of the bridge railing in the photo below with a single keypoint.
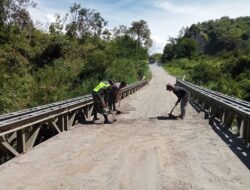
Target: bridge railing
[
  {"x": 229, "y": 110},
  {"x": 21, "y": 130}
]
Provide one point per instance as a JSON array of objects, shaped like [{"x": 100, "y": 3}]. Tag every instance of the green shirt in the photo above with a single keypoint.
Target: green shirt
[{"x": 102, "y": 85}]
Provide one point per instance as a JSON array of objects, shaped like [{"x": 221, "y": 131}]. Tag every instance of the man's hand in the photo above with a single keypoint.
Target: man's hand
[{"x": 104, "y": 104}]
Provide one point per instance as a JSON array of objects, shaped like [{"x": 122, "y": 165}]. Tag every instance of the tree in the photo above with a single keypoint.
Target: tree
[
  {"x": 58, "y": 25},
  {"x": 106, "y": 34},
  {"x": 2, "y": 14},
  {"x": 169, "y": 51},
  {"x": 14, "y": 11},
  {"x": 141, "y": 32},
  {"x": 120, "y": 30},
  {"x": 185, "y": 47},
  {"x": 84, "y": 22}
]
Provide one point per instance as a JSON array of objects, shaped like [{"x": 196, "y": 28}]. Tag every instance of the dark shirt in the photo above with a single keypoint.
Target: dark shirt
[
  {"x": 115, "y": 88},
  {"x": 180, "y": 93}
]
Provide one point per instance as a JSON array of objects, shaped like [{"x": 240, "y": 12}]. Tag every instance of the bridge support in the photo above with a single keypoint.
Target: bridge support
[
  {"x": 34, "y": 134},
  {"x": 21, "y": 142},
  {"x": 19, "y": 133},
  {"x": 6, "y": 147},
  {"x": 232, "y": 112}
]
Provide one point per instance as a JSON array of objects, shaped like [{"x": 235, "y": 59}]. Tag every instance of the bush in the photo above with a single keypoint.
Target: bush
[{"x": 122, "y": 70}]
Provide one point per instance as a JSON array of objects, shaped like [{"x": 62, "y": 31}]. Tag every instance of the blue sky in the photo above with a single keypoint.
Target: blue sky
[{"x": 164, "y": 17}]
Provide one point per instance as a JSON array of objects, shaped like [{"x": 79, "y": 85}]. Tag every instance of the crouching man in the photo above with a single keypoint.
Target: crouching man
[
  {"x": 98, "y": 94},
  {"x": 114, "y": 95},
  {"x": 183, "y": 97}
]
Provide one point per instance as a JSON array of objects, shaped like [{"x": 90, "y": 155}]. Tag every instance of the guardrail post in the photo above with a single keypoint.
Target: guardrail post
[
  {"x": 21, "y": 141},
  {"x": 229, "y": 117},
  {"x": 61, "y": 123},
  {"x": 239, "y": 122},
  {"x": 66, "y": 122},
  {"x": 248, "y": 132},
  {"x": 221, "y": 113},
  {"x": 206, "y": 106}
]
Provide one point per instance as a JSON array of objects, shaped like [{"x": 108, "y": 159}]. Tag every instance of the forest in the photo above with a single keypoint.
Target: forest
[
  {"x": 214, "y": 54},
  {"x": 67, "y": 59}
]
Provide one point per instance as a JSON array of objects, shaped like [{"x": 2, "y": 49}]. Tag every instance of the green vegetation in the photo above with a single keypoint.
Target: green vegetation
[
  {"x": 157, "y": 57},
  {"x": 214, "y": 54},
  {"x": 68, "y": 60}
]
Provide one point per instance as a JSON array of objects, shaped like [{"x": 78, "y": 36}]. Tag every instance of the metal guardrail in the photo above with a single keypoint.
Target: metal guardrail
[
  {"x": 228, "y": 110},
  {"x": 21, "y": 130}
]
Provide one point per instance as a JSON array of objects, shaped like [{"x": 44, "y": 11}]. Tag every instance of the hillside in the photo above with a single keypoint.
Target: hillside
[
  {"x": 215, "y": 54},
  {"x": 66, "y": 59}
]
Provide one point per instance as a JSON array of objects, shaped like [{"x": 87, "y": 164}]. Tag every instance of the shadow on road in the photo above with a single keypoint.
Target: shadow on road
[
  {"x": 83, "y": 122},
  {"x": 233, "y": 141},
  {"x": 163, "y": 118},
  {"x": 86, "y": 122}
]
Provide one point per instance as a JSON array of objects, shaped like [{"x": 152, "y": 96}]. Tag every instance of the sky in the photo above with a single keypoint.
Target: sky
[{"x": 165, "y": 18}]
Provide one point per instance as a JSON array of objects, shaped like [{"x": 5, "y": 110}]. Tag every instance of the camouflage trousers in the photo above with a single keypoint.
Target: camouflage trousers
[{"x": 99, "y": 104}]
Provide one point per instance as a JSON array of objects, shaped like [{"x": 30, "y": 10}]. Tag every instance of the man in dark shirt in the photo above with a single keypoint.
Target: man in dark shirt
[
  {"x": 114, "y": 95},
  {"x": 182, "y": 95}
]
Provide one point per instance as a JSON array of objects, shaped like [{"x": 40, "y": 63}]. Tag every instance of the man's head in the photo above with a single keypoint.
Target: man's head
[
  {"x": 122, "y": 85},
  {"x": 169, "y": 87}
]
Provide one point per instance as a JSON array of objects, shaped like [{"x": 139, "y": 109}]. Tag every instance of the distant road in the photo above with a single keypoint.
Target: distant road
[{"x": 138, "y": 152}]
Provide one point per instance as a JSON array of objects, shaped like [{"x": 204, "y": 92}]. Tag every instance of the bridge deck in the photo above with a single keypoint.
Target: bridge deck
[{"x": 137, "y": 152}]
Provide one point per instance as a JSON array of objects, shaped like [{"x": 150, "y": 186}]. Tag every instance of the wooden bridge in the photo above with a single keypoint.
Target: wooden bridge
[{"x": 144, "y": 149}]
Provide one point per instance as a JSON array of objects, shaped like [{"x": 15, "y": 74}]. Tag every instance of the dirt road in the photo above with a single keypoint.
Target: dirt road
[{"x": 138, "y": 152}]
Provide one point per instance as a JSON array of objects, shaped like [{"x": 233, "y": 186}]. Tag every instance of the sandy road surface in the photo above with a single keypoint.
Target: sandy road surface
[{"x": 139, "y": 152}]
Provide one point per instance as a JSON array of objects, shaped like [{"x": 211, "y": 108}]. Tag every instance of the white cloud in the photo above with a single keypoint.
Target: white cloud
[
  {"x": 158, "y": 44},
  {"x": 44, "y": 15}
]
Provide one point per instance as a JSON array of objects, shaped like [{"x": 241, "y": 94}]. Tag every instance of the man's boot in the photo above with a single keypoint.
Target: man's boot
[
  {"x": 106, "y": 120},
  {"x": 118, "y": 112},
  {"x": 95, "y": 117}
]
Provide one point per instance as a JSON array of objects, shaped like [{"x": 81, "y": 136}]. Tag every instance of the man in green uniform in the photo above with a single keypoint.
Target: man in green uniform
[{"x": 98, "y": 94}]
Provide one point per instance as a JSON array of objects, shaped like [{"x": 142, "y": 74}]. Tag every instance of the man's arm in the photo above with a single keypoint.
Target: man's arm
[
  {"x": 177, "y": 93},
  {"x": 179, "y": 99}
]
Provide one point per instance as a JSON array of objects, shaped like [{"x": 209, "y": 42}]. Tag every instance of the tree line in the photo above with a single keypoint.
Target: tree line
[
  {"x": 68, "y": 58},
  {"x": 214, "y": 54}
]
